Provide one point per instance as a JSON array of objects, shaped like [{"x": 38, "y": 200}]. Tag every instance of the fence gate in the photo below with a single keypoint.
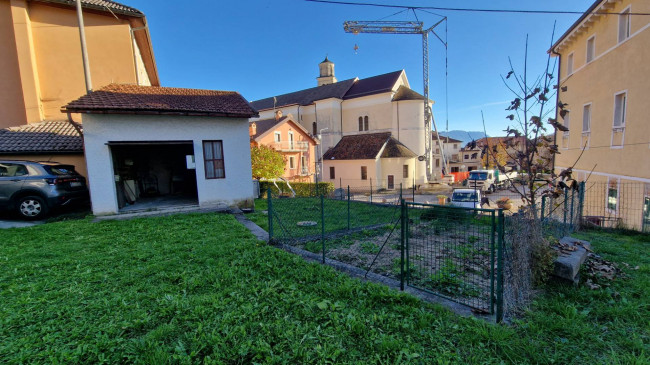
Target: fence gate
[{"x": 455, "y": 253}]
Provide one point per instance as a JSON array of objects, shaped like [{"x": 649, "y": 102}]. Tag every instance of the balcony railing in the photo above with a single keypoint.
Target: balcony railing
[{"x": 288, "y": 146}]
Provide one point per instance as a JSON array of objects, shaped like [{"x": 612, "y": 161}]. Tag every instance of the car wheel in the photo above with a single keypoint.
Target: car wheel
[{"x": 32, "y": 207}]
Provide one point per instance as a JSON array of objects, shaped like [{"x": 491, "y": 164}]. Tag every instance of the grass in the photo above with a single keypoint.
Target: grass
[
  {"x": 288, "y": 212},
  {"x": 198, "y": 288}
]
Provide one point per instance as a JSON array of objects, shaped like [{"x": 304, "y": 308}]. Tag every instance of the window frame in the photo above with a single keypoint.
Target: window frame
[
  {"x": 570, "y": 63},
  {"x": 332, "y": 173},
  {"x": 566, "y": 121},
  {"x": 623, "y": 117},
  {"x": 277, "y": 137},
  {"x": 610, "y": 182},
  {"x": 360, "y": 124},
  {"x": 625, "y": 14},
  {"x": 364, "y": 172},
  {"x": 593, "y": 55},
  {"x": 405, "y": 171},
  {"x": 206, "y": 160},
  {"x": 365, "y": 123},
  {"x": 292, "y": 162},
  {"x": 585, "y": 106}
]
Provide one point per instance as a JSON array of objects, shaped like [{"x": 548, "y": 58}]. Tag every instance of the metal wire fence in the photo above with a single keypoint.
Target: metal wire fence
[
  {"x": 447, "y": 251},
  {"x": 450, "y": 251},
  {"x": 617, "y": 205}
]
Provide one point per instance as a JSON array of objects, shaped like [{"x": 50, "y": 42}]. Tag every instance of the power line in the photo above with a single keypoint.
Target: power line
[{"x": 512, "y": 11}]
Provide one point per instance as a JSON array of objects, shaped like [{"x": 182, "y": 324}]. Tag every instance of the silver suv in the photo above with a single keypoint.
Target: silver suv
[{"x": 34, "y": 188}]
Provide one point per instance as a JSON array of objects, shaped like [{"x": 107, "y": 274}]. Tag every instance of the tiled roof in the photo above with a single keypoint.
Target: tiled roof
[
  {"x": 346, "y": 89},
  {"x": 373, "y": 85},
  {"x": 404, "y": 93},
  {"x": 102, "y": 5},
  {"x": 261, "y": 126},
  {"x": 43, "y": 137},
  {"x": 367, "y": 147},
  {"x": 307, "y": 96},
  {"x": 134, "y": 99}
]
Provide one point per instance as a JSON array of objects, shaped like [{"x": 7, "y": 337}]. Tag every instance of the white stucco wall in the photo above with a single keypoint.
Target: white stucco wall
[
  {"x": 395, "y": 167},
  {"x": 348, "y": 172},
  {"x": 99, "y": 129}
]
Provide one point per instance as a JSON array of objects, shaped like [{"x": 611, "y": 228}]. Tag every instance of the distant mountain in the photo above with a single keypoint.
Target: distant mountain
[{"x": 465, "y": 136}]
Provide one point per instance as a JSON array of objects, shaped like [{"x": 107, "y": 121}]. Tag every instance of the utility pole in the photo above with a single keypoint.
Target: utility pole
[
  {"x": 409, "y": 27},
  {"x": 84, "y": 49}
]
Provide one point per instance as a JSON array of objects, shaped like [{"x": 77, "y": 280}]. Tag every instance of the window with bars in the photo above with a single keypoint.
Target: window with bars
[{"x": 213, "y": 159}]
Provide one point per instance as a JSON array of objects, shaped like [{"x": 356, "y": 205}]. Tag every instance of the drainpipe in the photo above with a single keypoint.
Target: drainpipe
[
  {"x": 557, "y": 101},
  {"x": 84, "y": 49},
  {"x": 74, "y": 124}
]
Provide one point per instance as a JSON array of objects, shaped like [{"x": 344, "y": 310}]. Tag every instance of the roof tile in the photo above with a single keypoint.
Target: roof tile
[
  {"x": 367, "y": 147},
  {"x": 43, "y": 137},
  {"x": 126, "y": 99}
]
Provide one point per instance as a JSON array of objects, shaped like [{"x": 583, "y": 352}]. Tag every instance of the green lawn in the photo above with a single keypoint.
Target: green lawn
[
  {"x": 288, "y": 212},
  {"x": 199, "y": 288}
]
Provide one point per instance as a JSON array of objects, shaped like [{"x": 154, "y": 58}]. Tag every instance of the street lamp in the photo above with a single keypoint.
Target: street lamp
[{"x": 320, "y": 137}]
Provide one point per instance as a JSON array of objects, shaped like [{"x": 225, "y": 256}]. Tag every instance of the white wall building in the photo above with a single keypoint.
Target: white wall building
[
  {"x": 378, "y": 104},
  {"x": 165, "y": 146}
]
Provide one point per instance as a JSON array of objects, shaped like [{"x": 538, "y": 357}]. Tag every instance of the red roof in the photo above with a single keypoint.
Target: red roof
[
  {"x": 367, "y": 147},
  {"x": 134, "y": 99},
  {"x": 44, "y": 137}
]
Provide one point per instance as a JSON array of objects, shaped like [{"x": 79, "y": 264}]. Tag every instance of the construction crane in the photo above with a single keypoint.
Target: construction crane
[{"x": 409, "y": 27}]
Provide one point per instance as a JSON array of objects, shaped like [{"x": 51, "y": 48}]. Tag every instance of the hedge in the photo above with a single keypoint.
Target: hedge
[{"x": 302, "y": 189}]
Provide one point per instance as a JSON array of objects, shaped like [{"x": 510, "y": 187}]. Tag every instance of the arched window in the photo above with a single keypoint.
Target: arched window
[
  {"x": 314, "y": 129},
  {"x": 360, "y": 124},
  {"x": 365, "y": 123}
]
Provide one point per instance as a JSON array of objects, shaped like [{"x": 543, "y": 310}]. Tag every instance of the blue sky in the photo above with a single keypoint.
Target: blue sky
[{"x": 262, "y": 48}]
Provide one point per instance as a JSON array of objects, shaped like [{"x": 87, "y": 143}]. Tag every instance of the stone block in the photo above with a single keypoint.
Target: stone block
[{"x": 571, "y": 254}]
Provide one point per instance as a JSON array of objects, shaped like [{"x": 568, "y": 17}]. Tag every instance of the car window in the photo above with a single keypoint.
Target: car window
[
  {"x": 61, "y": 170},
  {"x": 11, "y": 169}
]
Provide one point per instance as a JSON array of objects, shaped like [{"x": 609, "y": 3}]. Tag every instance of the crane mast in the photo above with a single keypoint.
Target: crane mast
[{"x": 409, "y": 27}]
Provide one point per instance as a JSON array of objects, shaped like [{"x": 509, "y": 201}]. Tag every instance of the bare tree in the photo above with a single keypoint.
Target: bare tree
[{"x": 532, "y": 113}]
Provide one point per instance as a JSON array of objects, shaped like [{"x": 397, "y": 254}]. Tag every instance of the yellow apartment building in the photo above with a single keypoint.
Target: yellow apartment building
[
  {"x": 604, "y": 76},
  {"x": 41, "y": 70}
]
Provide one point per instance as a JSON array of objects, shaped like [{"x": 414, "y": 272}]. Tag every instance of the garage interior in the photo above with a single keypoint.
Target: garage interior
[{"x": 154, "y": 175}]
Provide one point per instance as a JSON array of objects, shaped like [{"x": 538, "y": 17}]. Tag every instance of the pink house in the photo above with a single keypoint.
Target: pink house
[{"x": 292, "y": 140}]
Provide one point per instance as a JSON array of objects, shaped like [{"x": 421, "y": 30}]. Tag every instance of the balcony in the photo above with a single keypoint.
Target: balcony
[{"x": 288, "y": 146}]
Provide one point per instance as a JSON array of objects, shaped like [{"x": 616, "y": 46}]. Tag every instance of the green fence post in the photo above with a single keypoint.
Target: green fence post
[
  {"x": 348, "y": 207},
  {"x": 572, "y": 206},
  {"x": 500, "y": 248},
  {"x": 400, "y": 192},
  {"x": 541, "y": 214},
  {"x": 581, "y": 201},
  {"x": 566, "y": 207},
  {"x": 413, "y": 189},
  {"x": 402, "y": 243},
  {"x": 492, "y": 256},
  {"x": 269, "y": 212},
  {"x": 370, "y": 190},
  {"x": 322, "y": 224}
]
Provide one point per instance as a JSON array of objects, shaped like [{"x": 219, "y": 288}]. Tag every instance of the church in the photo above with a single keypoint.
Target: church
[{"x": 370, "y": 130}]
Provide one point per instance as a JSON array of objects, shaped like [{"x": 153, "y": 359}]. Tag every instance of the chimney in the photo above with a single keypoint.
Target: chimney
[
  {"x": 278, "y": 114},
  {"x": 252, "y": 129}
]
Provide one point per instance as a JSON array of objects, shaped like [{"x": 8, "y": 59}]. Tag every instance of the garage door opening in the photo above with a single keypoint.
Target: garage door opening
[{"x": 154, "y": 175}]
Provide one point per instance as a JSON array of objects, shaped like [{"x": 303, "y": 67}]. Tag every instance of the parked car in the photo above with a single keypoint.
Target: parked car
[{"x": 32, "y": 189}]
